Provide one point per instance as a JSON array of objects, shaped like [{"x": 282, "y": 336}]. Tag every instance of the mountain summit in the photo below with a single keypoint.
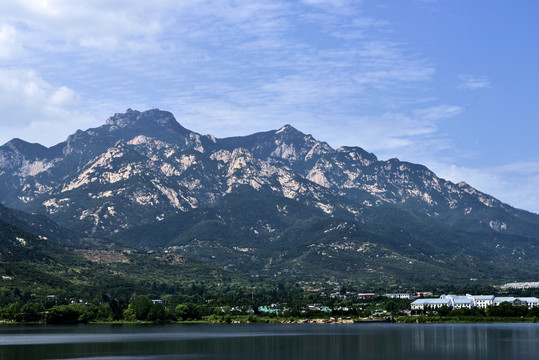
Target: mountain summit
[
  {"x": 145, "y": 169},
  {"x": 154, "y": 123}
]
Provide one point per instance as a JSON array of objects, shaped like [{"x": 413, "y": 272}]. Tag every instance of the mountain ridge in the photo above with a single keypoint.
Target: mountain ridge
[
  {"x": 347, "y": 169},
  {"x": 142, "y": 168}
]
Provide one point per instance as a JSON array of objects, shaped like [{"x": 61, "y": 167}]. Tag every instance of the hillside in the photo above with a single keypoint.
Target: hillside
[
  {"x": 34, "y": 264},
  {"x": 277, "y": 203}
]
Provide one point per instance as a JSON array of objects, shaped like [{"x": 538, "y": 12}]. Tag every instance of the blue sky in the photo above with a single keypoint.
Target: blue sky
[{"x": 451, "y": 84}]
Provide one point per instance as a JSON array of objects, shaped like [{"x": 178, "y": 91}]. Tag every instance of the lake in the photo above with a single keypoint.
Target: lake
[{"x": 271, "y": 341}]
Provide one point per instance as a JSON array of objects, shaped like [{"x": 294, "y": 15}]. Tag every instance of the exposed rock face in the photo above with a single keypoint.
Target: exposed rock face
[{"x": 141, "y": 167}]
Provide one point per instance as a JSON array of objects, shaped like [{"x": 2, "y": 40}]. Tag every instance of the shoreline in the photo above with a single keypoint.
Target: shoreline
[{"x": 321, "y": 321}]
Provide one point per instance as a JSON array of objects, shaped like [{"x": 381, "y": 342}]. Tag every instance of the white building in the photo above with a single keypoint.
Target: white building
[
  {"x": 510, "y": 299},
  {"x": 530, "y": 302},
  {"x": 422, "y": 304},
  {"x": 466, "y": 301},
  {"x": 407, "y": 296},
  {"x": 463, "y": 302},
  {"x": 459, "y": 301},
  {"x": 469, "y": 301},
  {"x": 482, "y": 301}
]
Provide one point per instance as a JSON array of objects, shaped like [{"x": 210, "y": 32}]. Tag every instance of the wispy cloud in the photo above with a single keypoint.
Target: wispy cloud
[
  {"x": 229, "y": 67},
  {"x": 271, "y": 55},
  {"x": 470, "y": 82},
  {"x": 31, "y": 106},
  {"x": 94, "y": 24},
  {"x": 438, "y": 112},
  {"x": 514, "y": 183},
  {"x": 333, "y": 3},
  {"x": 398, "y": 134},
  {"x": 221, "y": 65},
  {"x": 10, "y": 45}
]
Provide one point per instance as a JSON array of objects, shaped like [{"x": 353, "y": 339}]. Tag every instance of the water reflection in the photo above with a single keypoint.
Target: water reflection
[{"x": 314, "y": 341}]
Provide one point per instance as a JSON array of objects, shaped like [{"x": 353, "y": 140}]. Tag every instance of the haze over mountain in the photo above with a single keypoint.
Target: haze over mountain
[{"x": 277, "y": 202}]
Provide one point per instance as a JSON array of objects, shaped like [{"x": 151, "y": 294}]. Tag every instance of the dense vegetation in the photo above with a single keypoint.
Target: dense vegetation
[
  {"x": 281, "y": 235},
  {"x": 45, "y": 282},
  {"x": 257, "y": 301},
  {"x": 205, "y": 265}
]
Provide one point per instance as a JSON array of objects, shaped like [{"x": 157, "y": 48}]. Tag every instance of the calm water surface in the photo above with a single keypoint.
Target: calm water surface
[{"x": 286, "y": 341}]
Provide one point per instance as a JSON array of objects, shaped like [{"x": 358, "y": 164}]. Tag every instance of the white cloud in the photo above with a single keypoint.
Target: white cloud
[
  {"x": 470, "y": 82},
  {"x": 102, "y": 25},
  {"x": 10, "y": 46},
  {"x": 335, "y": 3},
  {"x": 219, "y": 64},
  {"x": 514, "y": 183},
  {"x": 438, "y": 112},
  {"x": 407, "y": 135},
  {"x": 34, "y": 109}
]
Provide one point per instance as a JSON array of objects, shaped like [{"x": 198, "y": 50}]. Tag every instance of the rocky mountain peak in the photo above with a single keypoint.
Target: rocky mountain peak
[
  {"x": 141, "y": 119},
  {"x": 156, "y": 124},
  {"x": 358, "y": 154},
  {"x": 286, "y": 145},
  {"x": 293, "y": 137},
  {"x": 26, "y": 149},
  {"x": 289, "y": 130},
  {"x": 292, "y": 145}
]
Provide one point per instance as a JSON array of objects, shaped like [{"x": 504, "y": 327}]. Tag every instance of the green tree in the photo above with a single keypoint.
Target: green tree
[
  {"x": 61, "y": 314},
  {"x": 444, "y": 310},
  {"x": 129, "y": 315},
  {"x": 117, "y": 308},
  {"x": 394, "y": 307},
  {"x": 10, "y": 311},
  {"x": 31, "y": 312},
  {"x": 506, "y": 309},
  {"x": 141, "y": 306},
  {"x": 157, "y": 313},
  {"x": 183, "y": 312}
]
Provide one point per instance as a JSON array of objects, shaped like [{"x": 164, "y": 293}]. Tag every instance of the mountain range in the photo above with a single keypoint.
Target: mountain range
[{"x": 278, "y": 203}]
